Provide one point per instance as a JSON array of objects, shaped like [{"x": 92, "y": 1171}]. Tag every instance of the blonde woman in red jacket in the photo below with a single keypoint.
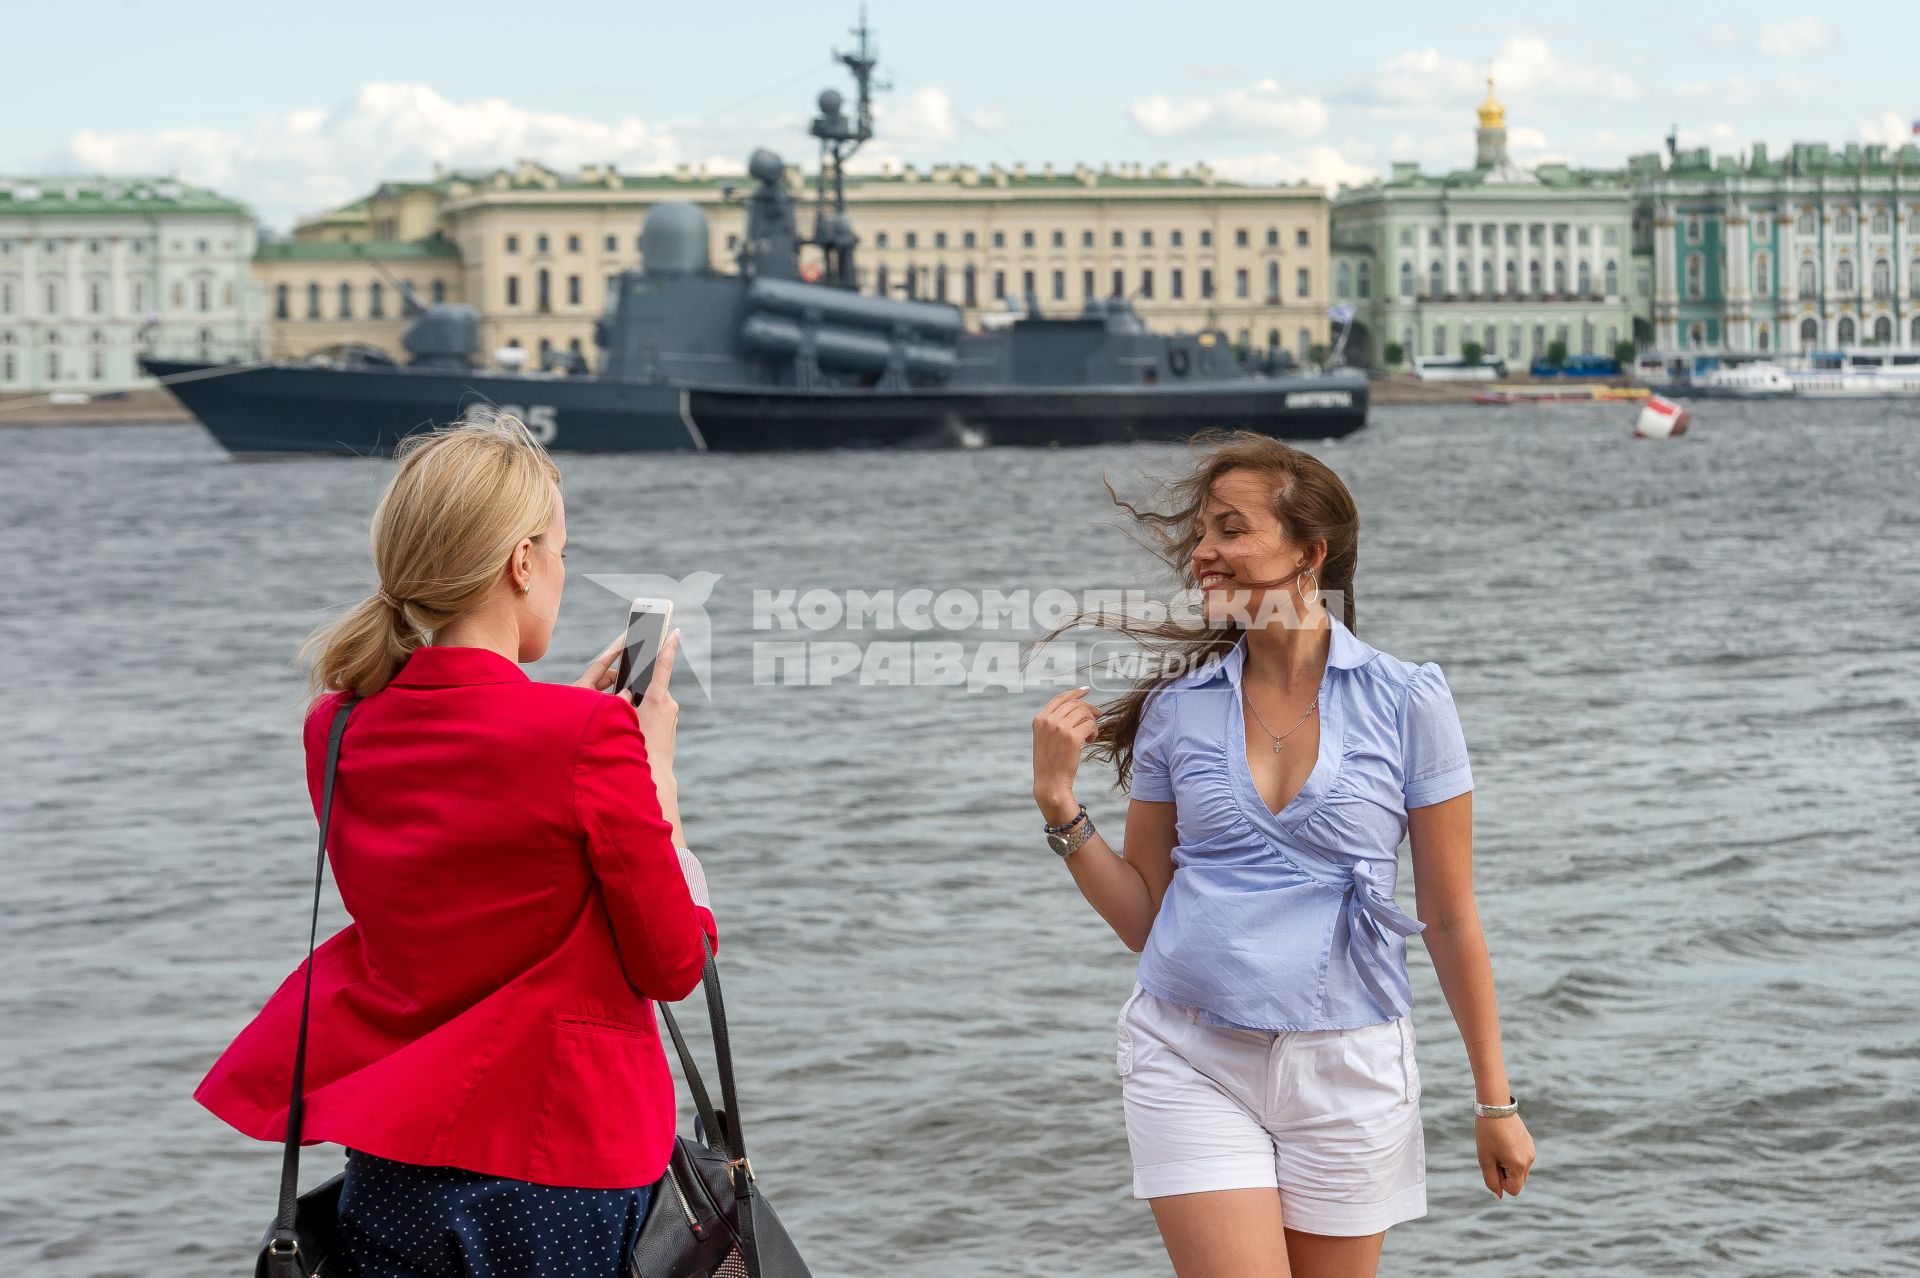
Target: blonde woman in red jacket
[{"x": 483, "y": 1039}]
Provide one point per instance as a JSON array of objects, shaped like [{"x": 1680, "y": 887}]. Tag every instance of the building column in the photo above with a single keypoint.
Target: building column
[
  {"x": 1666, "y": 289},
  {"x": 1736, "y": 316}
]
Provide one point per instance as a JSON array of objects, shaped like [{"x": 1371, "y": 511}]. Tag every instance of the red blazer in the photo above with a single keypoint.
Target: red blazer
[{"x": 517, "y": 903}]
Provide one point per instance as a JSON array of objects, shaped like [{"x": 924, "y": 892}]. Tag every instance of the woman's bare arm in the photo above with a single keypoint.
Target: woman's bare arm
[{"x": 1126, "y": 890}]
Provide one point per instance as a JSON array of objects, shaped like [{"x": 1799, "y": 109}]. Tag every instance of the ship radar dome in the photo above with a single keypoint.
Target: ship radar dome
[
  {"x": 831, "y": 102},
  {"x": 766, "y": 167},
  {"x": 673, "y": 239}
]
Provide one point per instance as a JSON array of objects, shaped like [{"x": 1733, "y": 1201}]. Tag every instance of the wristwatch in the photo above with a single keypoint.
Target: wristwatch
[
  {"x": 1066, "y": 839},
  {"x": 1507, "y": 1110}
]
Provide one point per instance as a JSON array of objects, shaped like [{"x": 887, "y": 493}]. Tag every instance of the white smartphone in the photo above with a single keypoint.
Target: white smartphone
[{"x": 647, "y": 621}]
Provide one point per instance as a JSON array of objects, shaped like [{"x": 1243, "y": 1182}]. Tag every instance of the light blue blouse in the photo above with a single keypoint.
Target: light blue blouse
[{"x": 1286, "y": 921}]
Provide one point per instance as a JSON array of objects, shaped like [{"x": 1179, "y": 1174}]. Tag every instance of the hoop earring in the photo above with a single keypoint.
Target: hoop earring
[{"x": 1306, "y": 602}]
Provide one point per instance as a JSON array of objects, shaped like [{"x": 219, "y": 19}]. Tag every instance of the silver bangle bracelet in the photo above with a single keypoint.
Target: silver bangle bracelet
[{"x": 1507, "y": 1110}]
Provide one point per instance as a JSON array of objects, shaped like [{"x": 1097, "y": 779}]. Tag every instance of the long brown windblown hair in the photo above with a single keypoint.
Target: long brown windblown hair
[{"x": 1311, "y": 504}]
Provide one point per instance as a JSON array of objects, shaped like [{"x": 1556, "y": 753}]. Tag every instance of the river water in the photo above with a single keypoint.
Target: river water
[{"x": 1687, "y": 672}]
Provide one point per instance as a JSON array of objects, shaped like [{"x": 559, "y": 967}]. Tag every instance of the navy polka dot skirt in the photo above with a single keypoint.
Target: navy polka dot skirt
[{"x": 402, "y": 1221}]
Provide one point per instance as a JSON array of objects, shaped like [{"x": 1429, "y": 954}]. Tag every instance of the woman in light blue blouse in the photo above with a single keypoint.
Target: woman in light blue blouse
[{"x": 1267, "y": 1053}]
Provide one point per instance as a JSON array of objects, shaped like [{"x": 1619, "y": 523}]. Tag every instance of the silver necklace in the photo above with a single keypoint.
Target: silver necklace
[{"x": 1263, "y": 723}]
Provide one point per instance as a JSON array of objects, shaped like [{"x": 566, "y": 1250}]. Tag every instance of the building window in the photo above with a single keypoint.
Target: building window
[
  {"x": 1804, "y": 224},
  {"x": 1913, "y": 277},
  {"x": 1882, "y": 332},
  {"x": 1843, "y": 277},
  {"x": 1696, "y": 275},
  {"x": 1882, "y": 278},
  {"x": 573, "y": 244},
  {"x": 1027, "y": 288},
  {"x": 880, "y": 280},
  {"x": 913, "y": 239},
  {"x": 1363, "y": 280},
  {"x": 203, "y": 295},
  {"x": 1462, "y": 277},
  {"x": 612, "y": 244},
  {"x": 346, "y": 300},
  {"x": 376, "y": 300},
  {"x": 1273, "y": 283},
  {"x": 1613, "y": 279},
  {"x": 1240, "y": 282},
  {"x": 1435, "y": 238},
  {"x": 1439, "y": 341},
  {"x": 970, "y": 284},
  {"x": 1560, "y": 277},
  {"x": 1206, "y": 281},
  {"x": 913, "y": 281},
  {"x": 1696, "y": 335},
  {"x": 513, "y": 290},
  {"x": 439, "y": 291},
  {"x": 1406, "y": 279},
  {"x": 1513, "y": 340},
  {"x": 1173, "y": 237},
  {"x": 513, "y": 244},
  {"x": 1343, "y": 281},
  {"x": 282, "y": 300},
  {"x": 1844, "y": 333},
  {"x": 1206, "y": 238},
  {"x": 1086, "y": 284},
  {"x": 1059, "y": 286},
  {"x": 1843, "y": 222},
  {"x": 313, "y": 301},
  {"x": 1694, "y": 235},
  {"x": 1586, "y": 279},
  {"x": 1303, "y": 282},
  {"x": 1146, "y": 239},
  {"x": 1026, "y": 239},
  {"x": 1512, "y": 277},
  {"x": 939, "y": 239},
  {"x": 1809, "y": 332},
  {"x": 1240, "y": 238},
  {"x": 1809, "y": 281},
  {"x": 967, "y": 239},
  {"x": 1762, "y": 226},
  {"x": 540, "y": 244},
  {"x": 95, "y": 297},
  {"x": 1119, "y": 283},
  {"x": 1301, "y": 238},
  {"x": 879, "y": 239},
  {"x": 999, "y": 239},
  {"x": 1146, "y": 284},
  {"x": 573, "y": 290},
  {"x": 543, "y": 292},
  {"x": 1436, "y": 279},
  {"x": 999, "y": 285},
  {"x": 1486, "y": 276},
  {"x": 1176, "y": 283}
]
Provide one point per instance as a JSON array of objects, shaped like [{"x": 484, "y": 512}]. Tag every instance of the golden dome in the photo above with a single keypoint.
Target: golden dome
[{"x": 1492, "y": 114}]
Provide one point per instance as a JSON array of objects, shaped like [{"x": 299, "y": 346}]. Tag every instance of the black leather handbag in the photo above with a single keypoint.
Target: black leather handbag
[
  {"x": 303, "y": 1240},
  {"x": 707, "y": 1217}
]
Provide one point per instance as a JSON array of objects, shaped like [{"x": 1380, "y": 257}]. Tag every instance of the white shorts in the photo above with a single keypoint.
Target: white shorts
[{"x": 1331, "y": 1118}]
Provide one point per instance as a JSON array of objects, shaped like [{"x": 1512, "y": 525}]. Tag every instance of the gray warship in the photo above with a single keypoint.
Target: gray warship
[{"x": 761, "y": 358}]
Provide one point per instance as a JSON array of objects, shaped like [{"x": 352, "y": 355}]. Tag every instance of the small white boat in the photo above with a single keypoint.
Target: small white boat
[{"x": 1745, "y": 381}]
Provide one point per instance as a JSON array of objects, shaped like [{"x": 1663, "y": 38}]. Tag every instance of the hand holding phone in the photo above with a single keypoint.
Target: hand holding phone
[{"x": 647, "y": 621}]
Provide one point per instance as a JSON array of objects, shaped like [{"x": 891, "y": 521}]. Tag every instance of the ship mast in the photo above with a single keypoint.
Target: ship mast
[{"x": 839, "y": 139}]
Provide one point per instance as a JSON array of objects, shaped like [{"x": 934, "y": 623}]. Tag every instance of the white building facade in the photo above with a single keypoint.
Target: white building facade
[{"x": 95, "y": 271}]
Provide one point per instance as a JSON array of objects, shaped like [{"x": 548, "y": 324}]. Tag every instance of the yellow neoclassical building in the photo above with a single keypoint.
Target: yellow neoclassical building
[{"x": 534, "y": 251}]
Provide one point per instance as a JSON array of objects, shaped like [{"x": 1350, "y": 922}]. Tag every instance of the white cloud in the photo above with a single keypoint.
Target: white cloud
[
  {"x": 1323, "y": 166},
  {"x": 301, "y": 161},
  {"x": 1426, "y": 79},
  {"x": 924, "y": 118},
  {"x": 1263, "y": 109},
  {"x": 1890, "y": 127},
  {"x": 1794, "y": 37}
]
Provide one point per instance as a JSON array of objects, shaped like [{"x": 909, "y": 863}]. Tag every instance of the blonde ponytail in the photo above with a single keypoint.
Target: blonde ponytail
[{"x": 462, "y": 498}]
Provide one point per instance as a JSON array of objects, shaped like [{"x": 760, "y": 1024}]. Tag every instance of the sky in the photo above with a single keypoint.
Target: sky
[{"x": 298, "y": 111}]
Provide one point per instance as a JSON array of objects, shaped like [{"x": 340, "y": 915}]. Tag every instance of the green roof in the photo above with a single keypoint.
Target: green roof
[
  {"x": 339, "y": 251},
  {"x": 41, "y": 195}
]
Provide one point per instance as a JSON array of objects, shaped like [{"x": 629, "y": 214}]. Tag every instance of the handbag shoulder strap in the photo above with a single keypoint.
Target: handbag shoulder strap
[{"x": 283, "y": 1220}]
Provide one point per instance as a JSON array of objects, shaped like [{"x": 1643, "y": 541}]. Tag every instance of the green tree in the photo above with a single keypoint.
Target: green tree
[
  {"x": 1318, "y": 352},
  {"x": 1624, "y": 352},
  {"x": 1472, "y": 352},
  {"x": 1394, "y": 353},
  {"x": 1556, "y": 354}
]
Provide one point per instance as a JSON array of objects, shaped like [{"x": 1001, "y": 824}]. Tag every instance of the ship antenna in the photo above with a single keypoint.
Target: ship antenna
[
  {"x": 839, "y": 139},
  {"x": 409, "y": 304}
]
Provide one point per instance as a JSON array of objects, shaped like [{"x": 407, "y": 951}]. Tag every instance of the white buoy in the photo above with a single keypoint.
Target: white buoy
[{"x": 1661, "y": 419}]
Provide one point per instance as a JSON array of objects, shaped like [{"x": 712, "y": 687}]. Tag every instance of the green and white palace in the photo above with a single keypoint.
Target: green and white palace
[
  {"x": 1507, "y": 258},
  {"x": 1816, "y": 250}
]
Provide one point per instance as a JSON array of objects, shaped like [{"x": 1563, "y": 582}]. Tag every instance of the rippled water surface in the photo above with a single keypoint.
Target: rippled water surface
[{"x": 1688, "y": 676}]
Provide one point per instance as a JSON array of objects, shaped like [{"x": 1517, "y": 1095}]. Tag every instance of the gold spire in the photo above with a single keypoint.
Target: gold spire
[{"x": 1492, "y": 114}]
